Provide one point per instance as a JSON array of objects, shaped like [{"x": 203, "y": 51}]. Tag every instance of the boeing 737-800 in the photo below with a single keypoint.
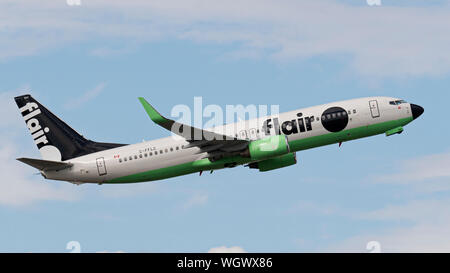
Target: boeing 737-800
[{"x": 265, "y": 144}]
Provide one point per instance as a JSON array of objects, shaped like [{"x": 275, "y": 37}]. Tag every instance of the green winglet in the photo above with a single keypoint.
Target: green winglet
[{"x": 152, "y": 113}]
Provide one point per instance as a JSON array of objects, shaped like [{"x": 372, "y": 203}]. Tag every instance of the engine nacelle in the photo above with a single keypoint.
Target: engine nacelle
[
  {"x": 275, "y": 163},
  {"x": 266, "y": 148}
]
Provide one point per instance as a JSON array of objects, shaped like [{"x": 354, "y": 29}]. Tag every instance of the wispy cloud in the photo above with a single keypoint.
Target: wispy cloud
[
  {"x": 304, "y": 206},
  {"x": 430, "y": 173},
  {"x": 86, "y": 97},
  {"x": 383, "y": 41},
  {"x": 18, "y": 187},
  {"x": 196, "y": 200},
  {"x": 106, "y": 52},
  {"x": 417, "y": 225},
  {"x": 425, "y": 227},
  {"x": 9, "y": 114},
  {"x": 423, "y": 168}
]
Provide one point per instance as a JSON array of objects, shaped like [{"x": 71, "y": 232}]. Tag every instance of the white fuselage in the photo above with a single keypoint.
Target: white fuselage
[{"x": 110, "y": 164}]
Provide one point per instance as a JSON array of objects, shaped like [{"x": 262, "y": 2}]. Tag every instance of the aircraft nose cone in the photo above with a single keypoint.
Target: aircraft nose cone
[{"x": 416, "y": 110}]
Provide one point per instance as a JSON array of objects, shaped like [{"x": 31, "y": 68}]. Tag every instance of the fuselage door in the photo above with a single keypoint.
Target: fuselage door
[
  {"x": 101, "y": 166},
  {"x": 253, "y": 134},
  {"x": 374, "y": 110}
]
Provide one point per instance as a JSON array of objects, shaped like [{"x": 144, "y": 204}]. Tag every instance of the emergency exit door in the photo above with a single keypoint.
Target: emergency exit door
[
  {"x": 374, "y": 110},
  {"x": 101, "y": 166}
]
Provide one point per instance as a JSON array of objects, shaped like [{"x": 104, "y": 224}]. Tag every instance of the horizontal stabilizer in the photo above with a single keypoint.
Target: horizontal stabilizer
[{"x": 45, "y": 165}]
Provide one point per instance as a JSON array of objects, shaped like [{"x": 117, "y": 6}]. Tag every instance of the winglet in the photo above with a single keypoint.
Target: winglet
[{"x": 152, "y": 113}]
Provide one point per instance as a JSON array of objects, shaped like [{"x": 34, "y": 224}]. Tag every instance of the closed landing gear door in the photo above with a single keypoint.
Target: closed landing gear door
[
  {"x": 101, "y": 166},
  {"x": 374, "y": 110}
]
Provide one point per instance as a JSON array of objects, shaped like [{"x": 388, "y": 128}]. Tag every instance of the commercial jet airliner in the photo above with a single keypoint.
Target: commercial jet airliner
[{"x": 266, "y": 144}]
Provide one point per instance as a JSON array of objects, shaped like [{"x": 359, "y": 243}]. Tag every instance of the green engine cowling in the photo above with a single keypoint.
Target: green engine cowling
[
  {"x": 275, "y": 163},
  {"x": 269, "y": 147}
]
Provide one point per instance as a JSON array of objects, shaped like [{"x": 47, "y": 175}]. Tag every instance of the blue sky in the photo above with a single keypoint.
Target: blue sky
[{"x": 89, "y": 63}]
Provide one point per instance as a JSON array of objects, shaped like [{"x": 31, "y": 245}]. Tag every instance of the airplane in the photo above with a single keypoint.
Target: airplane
[{"x": 265, "y": 144}]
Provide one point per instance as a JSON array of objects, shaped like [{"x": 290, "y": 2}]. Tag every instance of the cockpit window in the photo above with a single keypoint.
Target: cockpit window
[{"x": 397, "y": 102}]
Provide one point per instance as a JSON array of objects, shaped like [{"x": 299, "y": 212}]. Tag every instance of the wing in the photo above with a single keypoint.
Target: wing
[
  {"x": 216, "y": 145},
  {"x": 45, "y": 165}
]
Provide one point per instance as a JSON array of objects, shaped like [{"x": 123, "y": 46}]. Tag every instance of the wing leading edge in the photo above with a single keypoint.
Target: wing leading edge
[{"x": 216, "y": 145}]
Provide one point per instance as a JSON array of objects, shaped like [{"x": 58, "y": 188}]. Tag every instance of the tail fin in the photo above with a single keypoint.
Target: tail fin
[{"x": 54, "y": 138}]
